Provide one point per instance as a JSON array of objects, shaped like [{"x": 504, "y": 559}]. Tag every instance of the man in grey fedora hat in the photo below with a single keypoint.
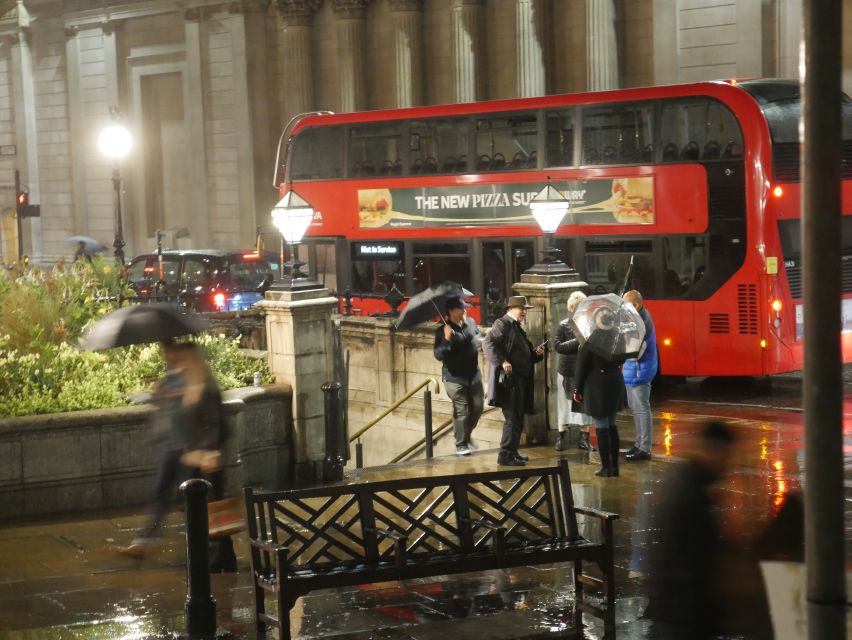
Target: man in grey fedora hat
[{"x": 511, "y": 358}]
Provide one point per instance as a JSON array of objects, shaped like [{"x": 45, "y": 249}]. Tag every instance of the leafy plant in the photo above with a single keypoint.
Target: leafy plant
[{"x": 42, "y": 368}]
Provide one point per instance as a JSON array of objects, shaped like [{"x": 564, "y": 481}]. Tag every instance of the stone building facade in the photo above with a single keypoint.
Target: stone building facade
[{"x": 206, "y": 88}]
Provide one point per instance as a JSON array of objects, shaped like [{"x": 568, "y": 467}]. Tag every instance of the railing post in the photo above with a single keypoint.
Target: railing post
[
  {"x": 427, "y": 419},
  {"x": 334, "y": 436},
  {"x": 200, "y": 606},
  {"x": 359, "y": 455}
]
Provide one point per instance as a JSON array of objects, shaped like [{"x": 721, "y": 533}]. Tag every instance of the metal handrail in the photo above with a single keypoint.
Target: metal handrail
[
  {"x": 440, "y": 432},
  {"x": 394, "y": 406}
]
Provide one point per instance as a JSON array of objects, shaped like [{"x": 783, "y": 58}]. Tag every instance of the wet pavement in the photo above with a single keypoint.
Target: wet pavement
[{"x": 64, "y": 578}]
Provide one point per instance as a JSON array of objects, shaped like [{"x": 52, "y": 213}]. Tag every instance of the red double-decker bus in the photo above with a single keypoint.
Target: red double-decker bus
[{"x": 698, "y": 183}]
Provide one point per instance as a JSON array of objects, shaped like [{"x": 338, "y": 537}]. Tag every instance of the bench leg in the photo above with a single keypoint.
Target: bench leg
[
  {"x": 286, "y": 602},
  {"x": 259, "y": 608},
  {"x": 578, "y": 595}
]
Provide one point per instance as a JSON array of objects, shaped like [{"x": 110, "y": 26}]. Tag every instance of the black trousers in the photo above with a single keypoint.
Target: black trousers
[{"x": 513, "y": 416}]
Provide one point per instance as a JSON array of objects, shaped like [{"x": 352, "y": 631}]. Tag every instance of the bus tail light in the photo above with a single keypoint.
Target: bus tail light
[
  {"x": 776, "y": 305},
  {"x": 763, "y": 343},
  {"x": 667, "y": 342},
  {"x": 778, "y": 191},
  {"x": 219, "y": 300}
]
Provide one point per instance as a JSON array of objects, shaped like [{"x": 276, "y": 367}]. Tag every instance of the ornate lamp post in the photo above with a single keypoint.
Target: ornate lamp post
[
  {"x": 549, "y": 208},
  {"x": 292, "y": 216},
  {"x": 115, "y": 142}
]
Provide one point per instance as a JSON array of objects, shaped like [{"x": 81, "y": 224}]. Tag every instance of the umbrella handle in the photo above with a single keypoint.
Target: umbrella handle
[{"x": 444, "y": 320}]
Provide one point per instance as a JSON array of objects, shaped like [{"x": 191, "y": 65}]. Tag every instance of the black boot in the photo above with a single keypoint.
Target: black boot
[
  {"x": 603, "y": 445},
  {"x": 615, "y": 450},
  {"x": 584, "y": 442},
  {"x": 561, "y": 443}
]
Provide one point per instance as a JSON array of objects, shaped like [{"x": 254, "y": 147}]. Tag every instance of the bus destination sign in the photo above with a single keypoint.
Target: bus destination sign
[{"x": 601, "y": 201}]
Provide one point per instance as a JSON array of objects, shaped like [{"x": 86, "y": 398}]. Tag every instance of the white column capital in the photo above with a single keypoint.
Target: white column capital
[{"x": 351, "y": 9}]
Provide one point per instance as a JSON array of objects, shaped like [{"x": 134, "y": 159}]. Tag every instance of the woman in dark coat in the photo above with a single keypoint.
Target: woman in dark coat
[
  {"x": 567, "y": 345},
  {"x": 599, "y": 386}
]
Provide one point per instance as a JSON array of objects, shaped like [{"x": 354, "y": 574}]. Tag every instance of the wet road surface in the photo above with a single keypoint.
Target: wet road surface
[{"x": 64, "y": 579}]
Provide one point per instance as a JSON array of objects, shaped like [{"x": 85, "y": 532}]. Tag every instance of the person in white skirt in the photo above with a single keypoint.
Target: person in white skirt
[{"x": 566, "y": 345}]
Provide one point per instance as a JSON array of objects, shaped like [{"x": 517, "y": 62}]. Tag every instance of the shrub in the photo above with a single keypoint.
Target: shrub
[{"x": 42, "y": 370}]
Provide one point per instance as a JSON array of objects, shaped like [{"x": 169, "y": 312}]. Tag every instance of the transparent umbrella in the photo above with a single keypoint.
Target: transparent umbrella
[{"x": 610, "y": 326}]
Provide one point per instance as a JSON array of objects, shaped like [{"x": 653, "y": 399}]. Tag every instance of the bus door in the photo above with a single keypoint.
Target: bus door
[{"x": 503, "y": 262}]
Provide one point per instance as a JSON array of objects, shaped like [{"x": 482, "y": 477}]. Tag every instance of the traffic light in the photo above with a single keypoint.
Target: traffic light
[{"x": 23, "y": 206}]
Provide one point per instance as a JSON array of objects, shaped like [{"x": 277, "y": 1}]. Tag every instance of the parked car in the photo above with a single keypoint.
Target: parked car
[{"x": 204, "y": 279}]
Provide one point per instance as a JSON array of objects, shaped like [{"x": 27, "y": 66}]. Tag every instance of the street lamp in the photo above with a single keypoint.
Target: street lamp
[
  {"x": 292, "y": 216},
  {"x": 115, "y": 142},
  {"x": 549, "y": 207}
]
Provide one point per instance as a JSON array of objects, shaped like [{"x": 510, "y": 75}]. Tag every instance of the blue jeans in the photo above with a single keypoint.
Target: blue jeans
[{"x": 639, "y": 401}]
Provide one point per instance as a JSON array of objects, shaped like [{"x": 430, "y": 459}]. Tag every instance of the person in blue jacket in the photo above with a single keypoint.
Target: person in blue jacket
[{"x": 638, "y": 374}]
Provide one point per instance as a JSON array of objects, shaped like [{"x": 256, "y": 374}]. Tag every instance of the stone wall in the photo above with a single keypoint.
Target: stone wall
[
  {"x": 90, "y": 460},
  {"x": 384, "y": 364}
]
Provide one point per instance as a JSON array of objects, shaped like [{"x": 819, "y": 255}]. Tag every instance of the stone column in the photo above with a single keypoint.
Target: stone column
[
  {"x": 548, "y": 294},
  {"x": 26, "y": 130},
  {"x": 601, "y": 47},
  {"x": 531, "y": 47},
  {"x": 350, "y": 58},
  {"x": 300, "y": 343},
  {"x": 468, "y": 79},
  {"x": 407, "y": 26},
  {"x": 296, "y": 89}
]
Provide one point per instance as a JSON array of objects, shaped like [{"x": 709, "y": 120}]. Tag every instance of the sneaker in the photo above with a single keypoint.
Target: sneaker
[
  {"x": 463, "y": 451},
  {"x": 632, "y": 450},
  {"x": 639, "y": 455},
  {"x": 520, "y": 457},
  {"x": 510, "y": 462}
]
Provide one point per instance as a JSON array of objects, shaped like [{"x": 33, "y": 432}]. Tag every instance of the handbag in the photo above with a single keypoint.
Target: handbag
[
  {"x": 208, "y": 460},
  {"x": 225, "y": 517}
]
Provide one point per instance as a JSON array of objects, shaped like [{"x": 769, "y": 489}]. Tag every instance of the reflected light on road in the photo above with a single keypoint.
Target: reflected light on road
[
  {"x": 764, "y": 448},
  {"x": 667, "y": 438},
  {"x": 780, "y": 484}
]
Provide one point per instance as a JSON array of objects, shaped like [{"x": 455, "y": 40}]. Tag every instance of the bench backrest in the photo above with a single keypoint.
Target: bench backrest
[{"x": 337, "y": 525}]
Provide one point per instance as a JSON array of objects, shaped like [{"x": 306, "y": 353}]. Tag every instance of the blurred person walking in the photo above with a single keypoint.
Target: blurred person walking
[
  {"x": 599, "y": 390},
  {"x": 189, "y": 427},
  {"x": 457, "y": 344},
  {"x": 638, "y": 374},
  {"x": 567, "y": 345},
  {"x": 684, "y": 598},
  {"x": 511, "y": 361}
]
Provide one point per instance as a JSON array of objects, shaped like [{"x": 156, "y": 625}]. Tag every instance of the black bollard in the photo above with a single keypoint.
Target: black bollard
[
  {"x": 200, "y": 606},
  {"x": 334, "y": 433}
]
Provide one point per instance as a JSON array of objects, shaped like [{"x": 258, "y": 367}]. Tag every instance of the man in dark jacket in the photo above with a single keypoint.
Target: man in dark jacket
[
  {"x": 683, "y": 598},
  {"x": 456, "y": 345},
  {"x": 511, "y": 356}
]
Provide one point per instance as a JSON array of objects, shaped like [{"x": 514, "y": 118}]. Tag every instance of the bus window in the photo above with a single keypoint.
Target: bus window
[
  {"x": 506, "y": 140},
  {"x": 618, "y": 134},
  {"x": 684, "y": 263},
  {"x": 607, "y": 263},
  {"x": 317, "y": 154},
  {"x": 373, "y": 275},
  {"x": 699, "y": 129},
  {"x": 374, "y": 150},
  {"x": 560, "y": 138},
  {"x": 436, "y": 262},
  {"x": 324, "y": 264},
  {"x": 494, "y": 280},
  {"x": 438, "y": 145}
]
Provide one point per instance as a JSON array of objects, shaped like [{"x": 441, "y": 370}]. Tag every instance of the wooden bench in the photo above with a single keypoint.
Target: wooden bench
[{"x": 342, "y": 535}]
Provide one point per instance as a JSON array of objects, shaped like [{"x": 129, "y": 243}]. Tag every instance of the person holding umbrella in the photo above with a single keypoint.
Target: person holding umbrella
[
  {"x": 610, "y": 330},
  {"x": 511, "y": 360},
  {"x": 456, "y": 345}
]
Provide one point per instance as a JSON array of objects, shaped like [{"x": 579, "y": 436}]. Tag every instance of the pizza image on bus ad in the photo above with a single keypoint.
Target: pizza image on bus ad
[
  {"x": 634, "y": 200},
  {"x": 375, "y": 207}
]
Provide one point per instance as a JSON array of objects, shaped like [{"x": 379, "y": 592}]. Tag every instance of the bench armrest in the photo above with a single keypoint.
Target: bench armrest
[
  {"x": 267, "y": 545},
  {"x": 400, "y": 545},
  {"x": 596, "y": 513},
  {"x": 499, "y": 535}
]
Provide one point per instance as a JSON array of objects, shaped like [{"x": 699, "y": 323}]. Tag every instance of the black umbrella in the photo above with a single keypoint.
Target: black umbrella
[
  {"x": 430, "y": 303},
  {"x": 89, "y": 245},
  {"x": 610, "y": 326},
  {"x": 141, "y": 323}
]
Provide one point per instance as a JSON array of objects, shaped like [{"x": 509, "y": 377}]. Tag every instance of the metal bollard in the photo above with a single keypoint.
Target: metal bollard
[
  {"x": 334, "y": 435},
  {"x": 200, "y": 606},
  {"x": 359, "y": 455},
  {"x": 427, "y": 418}
]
